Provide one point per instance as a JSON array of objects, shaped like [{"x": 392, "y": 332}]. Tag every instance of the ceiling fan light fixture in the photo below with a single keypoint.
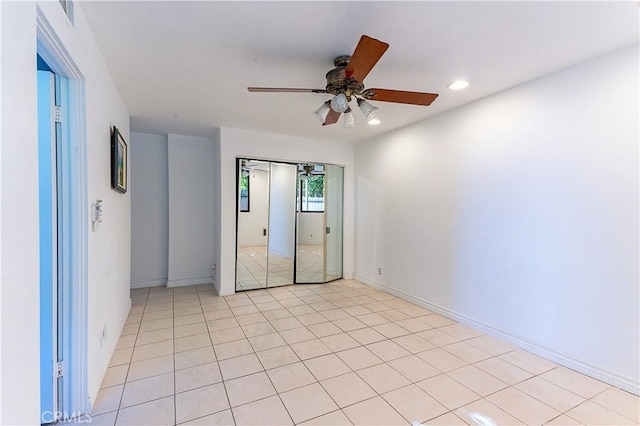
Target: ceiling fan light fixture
[
  {"x": 458, "y": 85},
  {"x": 346, "y": 81},
  {"x": 367, "y": 109},
  {"x": 349, "y": 121},
  {"x": 322, "y": 112},
  {"x": 339, "y": 103}
]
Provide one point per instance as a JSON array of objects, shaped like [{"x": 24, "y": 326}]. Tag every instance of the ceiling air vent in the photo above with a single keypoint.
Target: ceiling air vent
[{"x": 67, "y": 6}]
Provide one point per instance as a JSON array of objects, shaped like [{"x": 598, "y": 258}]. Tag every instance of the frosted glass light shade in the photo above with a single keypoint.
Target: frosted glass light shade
[
  {"x": 339, "y": 103},
  {"x": 367, "y": 109},
  {"x": 349, "y": 121},
  {"x": 322, "y": 112}
]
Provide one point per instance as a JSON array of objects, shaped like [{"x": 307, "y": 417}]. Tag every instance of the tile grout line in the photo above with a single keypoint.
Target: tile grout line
[
  {"x": 260, "y": 361},
  {"x": 124, "y": 385},
  {"x": 224, "y": 386}
]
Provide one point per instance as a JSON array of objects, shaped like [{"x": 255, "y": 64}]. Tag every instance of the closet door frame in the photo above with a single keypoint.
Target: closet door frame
[{"x": 295, "y": 222}]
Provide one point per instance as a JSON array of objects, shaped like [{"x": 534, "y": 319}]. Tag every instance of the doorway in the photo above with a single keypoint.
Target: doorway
[
  {"x": 63, "y": 238},
  {"x": 289, "y": 223}
]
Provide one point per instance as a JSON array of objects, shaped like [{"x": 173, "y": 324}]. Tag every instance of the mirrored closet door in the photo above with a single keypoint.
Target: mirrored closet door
[
  {"x": 282, "y": 225},
  {"x": 310, "y": 257},
  {"x": 289, "y": 223},
  {"x": 252, "y": 224},
  {"x": 333, "y": 219}
]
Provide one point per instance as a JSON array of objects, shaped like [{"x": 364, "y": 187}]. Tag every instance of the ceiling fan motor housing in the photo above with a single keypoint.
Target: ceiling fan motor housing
[{"x": 337, "y": 81}]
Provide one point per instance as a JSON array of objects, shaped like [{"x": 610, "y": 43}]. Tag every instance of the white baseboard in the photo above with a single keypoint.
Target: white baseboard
[
  {"x": 311, "y": 242},
  {"x": 190, "y": 281},
  {"x": 151, "y": 283},
  {"x": 628, "y": 384},
  {"x": 225, "y": 292}
]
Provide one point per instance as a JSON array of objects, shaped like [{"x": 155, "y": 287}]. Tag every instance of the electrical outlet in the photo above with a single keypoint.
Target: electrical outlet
[{"x": 379, "y": 271}]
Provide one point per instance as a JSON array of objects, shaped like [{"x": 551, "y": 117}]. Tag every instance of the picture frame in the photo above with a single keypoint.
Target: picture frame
[{"x": 119, "y": 161}]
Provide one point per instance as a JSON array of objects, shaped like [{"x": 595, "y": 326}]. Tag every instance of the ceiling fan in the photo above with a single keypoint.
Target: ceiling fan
[
  {"x": 310, "y": 169},
  {"x": 346, "y": 81}
]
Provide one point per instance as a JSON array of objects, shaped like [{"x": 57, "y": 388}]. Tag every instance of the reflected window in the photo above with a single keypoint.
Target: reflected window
[
  {"x": 312, "y": 193},
  {"x": 244, "y": 191}
]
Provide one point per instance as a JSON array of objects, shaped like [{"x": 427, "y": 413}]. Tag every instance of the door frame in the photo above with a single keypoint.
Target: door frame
[
  {"x": 48, "y": 224},
  {"x": 74, "y": 192}
]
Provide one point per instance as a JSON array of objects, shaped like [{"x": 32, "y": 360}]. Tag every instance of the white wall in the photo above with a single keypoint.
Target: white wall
[
  {"x": 519, "y": 213},
  {"x": 108, "y": 246},
  {"x": 251, "y": 224},
  {"x": 217, "y": 209},
  {"x": 282, "y": 211},
  {"x": 191, "y": 209},
  {"x": 311, "y": 228},
  {"x": 237, "y": 143},
  {"x": 173, "y": 228},
  {"x": 19, "y": 372},
  {"x": 149, "y": 210},
  {"x": 1, "y": 227}
]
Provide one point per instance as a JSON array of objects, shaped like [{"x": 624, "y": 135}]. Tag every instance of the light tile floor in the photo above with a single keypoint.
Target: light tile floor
[
  {"x": 335, "y": 354},
  {"x": 258, "y": 268},
  {"x": 255, "y": 267},
  {"x": 310, "y": 263},
  {"x": 251, "y": 267}
]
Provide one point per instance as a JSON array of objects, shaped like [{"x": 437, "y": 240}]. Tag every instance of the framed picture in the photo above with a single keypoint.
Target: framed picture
[{"x": 119, "y": 159}]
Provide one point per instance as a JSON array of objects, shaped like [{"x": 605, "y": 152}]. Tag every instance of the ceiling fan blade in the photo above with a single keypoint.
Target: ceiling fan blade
[
  {"x": 283, "y": 90},
  {"x": 332, "y": 117},
  {"x": 367, "y": 53},
  {"x": 400, "y": 97}
]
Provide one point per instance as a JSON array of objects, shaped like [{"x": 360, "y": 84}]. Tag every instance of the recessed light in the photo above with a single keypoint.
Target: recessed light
[
  {"x": 458, "y": 85},
  {"x": 374, "y": 121}
]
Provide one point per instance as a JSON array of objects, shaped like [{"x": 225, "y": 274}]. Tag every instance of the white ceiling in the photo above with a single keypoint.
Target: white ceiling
[{"x": 184, "y": 67}]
